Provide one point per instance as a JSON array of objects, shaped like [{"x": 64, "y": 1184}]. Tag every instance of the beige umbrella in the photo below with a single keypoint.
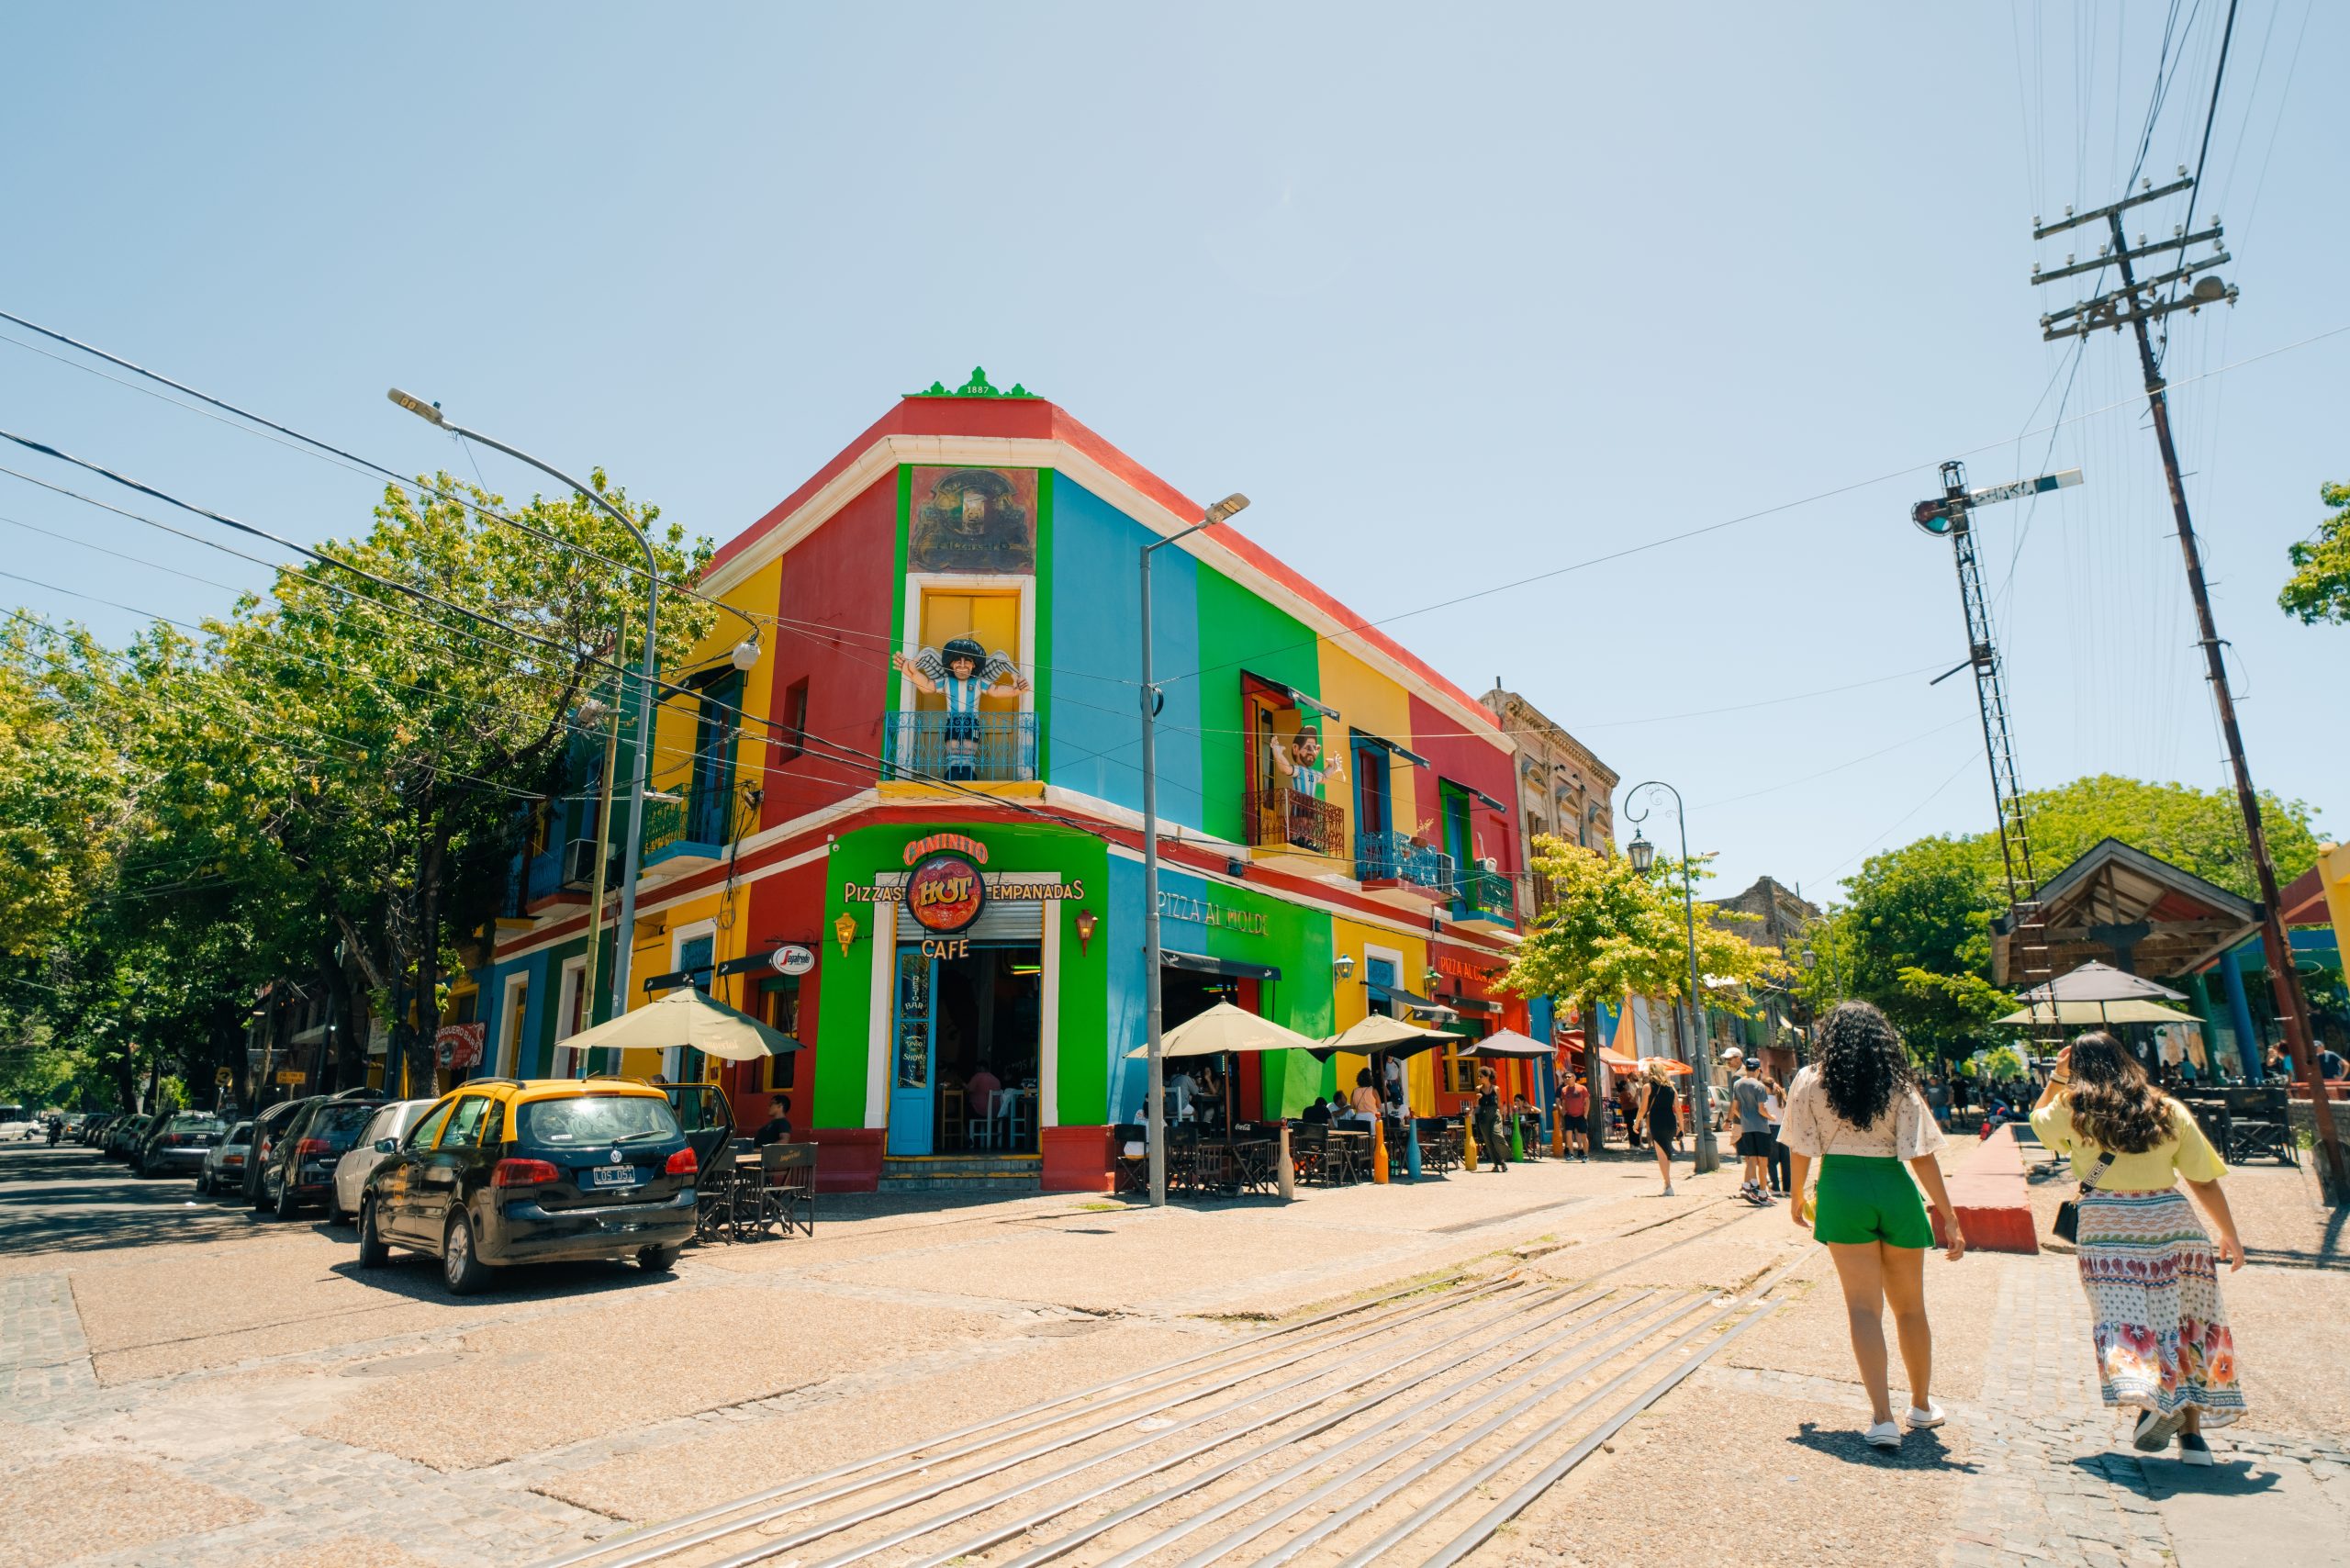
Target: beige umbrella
[
  {"x": 1224, "y": 1027},
  {"x": 1509, "y": 1042},
  {"x": 1392, "y": 1037},
  {"x": 686, "y": 1017},
  {"x": 2087, "y": 1013}
]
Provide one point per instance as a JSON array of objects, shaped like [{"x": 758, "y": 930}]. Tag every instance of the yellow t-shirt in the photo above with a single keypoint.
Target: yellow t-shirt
[{"x": 2187, "y": 1152}]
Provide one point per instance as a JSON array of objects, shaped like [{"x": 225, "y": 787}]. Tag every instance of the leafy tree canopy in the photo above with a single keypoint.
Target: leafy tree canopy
[{"x": 2319, "y": 589}]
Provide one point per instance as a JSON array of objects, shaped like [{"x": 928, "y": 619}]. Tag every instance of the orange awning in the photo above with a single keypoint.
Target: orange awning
[{"x": 1622, "y": 1063}]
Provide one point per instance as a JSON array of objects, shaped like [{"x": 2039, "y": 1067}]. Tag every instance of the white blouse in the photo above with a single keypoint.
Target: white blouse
[{"x": 1905, "y": 1131}]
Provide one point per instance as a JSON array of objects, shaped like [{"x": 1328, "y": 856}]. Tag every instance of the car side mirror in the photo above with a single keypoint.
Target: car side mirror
[{"x": 387, "y": 1146}]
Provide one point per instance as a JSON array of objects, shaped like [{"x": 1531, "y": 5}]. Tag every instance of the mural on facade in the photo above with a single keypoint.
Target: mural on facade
[{"x": 973, "y": 520}]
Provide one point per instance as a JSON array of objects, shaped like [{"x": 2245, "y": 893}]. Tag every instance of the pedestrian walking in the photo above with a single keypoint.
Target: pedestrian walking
[
  {"x": 1661, "y": 1118},
  {"x": 1489, "y": 1121},
  {"x": 1755, "y": 1136},
  {"x": 1857, "y": 1111},
  {"x": 1630, "y": 1092},
  {"x": 1775, "y": 1108},
  {"x": 1574, "y": 1110},
  {"x": 2160, "y": 1330}
]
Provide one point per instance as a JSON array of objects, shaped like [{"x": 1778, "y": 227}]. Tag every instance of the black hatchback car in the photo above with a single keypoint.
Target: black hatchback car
[
  {"x": 299, "y": 1170},
  {"x": 551, "y": 1170},
  {"x": 176, "y": 1145}
]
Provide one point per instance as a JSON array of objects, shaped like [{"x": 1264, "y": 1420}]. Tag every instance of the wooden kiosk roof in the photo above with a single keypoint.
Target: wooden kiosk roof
[{"x": 2125, "y": 907}]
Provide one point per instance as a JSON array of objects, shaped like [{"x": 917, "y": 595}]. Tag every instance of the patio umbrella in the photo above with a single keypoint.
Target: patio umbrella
[
  {"x": 1224, "y": 1027},
  {"x": 1378, "y": 1033},
  {"x": 690, "y": 1019},
  {"x": 1510, "y": 1045},
  {"x": 2099, "y": 1012},
  {"x": 2100, "y": 982}
]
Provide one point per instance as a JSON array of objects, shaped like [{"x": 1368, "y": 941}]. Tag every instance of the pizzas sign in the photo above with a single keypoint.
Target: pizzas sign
[{"x": 945, "y": 894}]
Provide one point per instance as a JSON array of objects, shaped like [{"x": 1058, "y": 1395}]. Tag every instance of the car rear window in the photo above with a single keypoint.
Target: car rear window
[
  {"x": 241, "y": 1132},
  {"x": 577, "y": 1121},
  {"x": 340, "y": 1124},
  {"x": 194, "y": 1121}
]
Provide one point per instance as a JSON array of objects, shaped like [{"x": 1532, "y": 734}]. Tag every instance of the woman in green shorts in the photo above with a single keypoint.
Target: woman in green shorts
[{"x": 1857, "y": 1111}]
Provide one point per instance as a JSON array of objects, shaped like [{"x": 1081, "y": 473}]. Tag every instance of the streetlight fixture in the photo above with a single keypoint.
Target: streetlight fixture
[
  {"x": 1642, "y": 854},
  {"x": 1156, "y": 1102},
  {"x": 624, "y": 937}
]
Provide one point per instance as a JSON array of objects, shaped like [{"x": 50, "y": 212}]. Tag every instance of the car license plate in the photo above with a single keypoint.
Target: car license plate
[{"x": 612, "y": 1176}]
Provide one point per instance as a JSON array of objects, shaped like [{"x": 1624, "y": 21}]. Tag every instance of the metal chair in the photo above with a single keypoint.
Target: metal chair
[
  {"x": 789, "y": 1197},
  {"x": 1130, "y": 1171}
]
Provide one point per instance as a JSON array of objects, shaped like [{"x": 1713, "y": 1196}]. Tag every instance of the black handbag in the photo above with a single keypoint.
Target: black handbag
[{"x": 2068, "y": 1212}]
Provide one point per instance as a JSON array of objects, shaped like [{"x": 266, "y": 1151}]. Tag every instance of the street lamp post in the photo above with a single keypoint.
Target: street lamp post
[
  {"x": 1643, "y": 856},
  {"x": 624, "y": 937},
  {"x": 1156, "y": 1102}
]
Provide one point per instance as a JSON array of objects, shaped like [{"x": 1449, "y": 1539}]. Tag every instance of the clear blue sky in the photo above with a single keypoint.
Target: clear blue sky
[{"x": 1458, "y": 294}]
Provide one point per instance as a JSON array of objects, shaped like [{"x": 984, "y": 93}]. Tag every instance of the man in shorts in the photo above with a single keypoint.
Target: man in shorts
[{"x": 1754, "y": 1133}]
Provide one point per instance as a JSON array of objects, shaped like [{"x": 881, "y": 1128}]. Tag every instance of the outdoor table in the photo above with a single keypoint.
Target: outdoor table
[
  {"x": 1249, "y": 1163},
  {"x": 1354, "y": 1140}
]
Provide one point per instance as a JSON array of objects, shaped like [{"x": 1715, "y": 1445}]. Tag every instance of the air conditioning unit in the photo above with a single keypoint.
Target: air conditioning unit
[{"x": 579, "y": 864}]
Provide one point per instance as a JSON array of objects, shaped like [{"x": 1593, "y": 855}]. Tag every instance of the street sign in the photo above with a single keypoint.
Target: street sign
[
  {"x": 792, "y": 959},
  {"x": 290, "y": 1075},
  {"x": 223, "y": 1077}
]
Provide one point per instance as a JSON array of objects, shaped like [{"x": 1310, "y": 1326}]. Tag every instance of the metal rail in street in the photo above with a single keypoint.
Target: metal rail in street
[{"x": 1288, "y": 1443}]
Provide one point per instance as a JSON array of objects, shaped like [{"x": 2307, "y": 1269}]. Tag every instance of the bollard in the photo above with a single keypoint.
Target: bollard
[
  {"x": 1412, "y": 1147},
  {"x": 1517, "y": 1140},
  {"x": 1468, "y": 1143},
  {"x": 1284, "y": 1173},
  {"x": 1558, "y": 1135},
  {"x": 1378, "y": 1154}
]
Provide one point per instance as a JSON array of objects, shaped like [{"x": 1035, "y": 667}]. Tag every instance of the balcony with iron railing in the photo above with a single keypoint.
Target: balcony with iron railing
[
  {"x": 1399, "y": 861},
  {"x": 682, "y": 836},
  {"x": 1282, "y": 820},
  {"x": 1484, "y": 900},
  {"x": 929, "y": 746}
]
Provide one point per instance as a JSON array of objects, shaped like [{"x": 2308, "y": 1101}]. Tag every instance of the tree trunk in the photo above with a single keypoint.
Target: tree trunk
[{"x": 1596, "y": 1110}]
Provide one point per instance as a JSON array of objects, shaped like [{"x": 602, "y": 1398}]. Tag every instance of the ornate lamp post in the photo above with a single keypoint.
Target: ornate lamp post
[{"x": 1643, "y": 855}]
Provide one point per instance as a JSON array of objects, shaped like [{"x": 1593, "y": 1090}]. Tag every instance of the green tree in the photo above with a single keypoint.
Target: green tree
[
  {"x": 2319, "y": 589},
  {"x": 1913, "y": 936},
  {"x": 1611, "y": 931},
  {"x": 66, "y": 795}
]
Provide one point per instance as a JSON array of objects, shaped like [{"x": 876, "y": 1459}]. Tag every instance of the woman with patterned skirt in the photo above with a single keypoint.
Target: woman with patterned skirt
[{"x": 2152, "y": 1273}]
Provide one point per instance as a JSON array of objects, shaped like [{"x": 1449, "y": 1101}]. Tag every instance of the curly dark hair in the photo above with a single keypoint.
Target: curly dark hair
[
  {"x": 1863, "y": 1063},
  {"x": 2113, "y": 1104}
]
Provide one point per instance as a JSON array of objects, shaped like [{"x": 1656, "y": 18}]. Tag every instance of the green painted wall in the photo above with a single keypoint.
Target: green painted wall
[
  {"x": 845, "y": 1020},
  {"x": 1298, "y": 941},
  {"x": 1241, "y": 632}
]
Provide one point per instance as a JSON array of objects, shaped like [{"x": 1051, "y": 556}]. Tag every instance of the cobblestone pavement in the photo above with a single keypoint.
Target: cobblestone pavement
[{"x": 2039, "y": 1469}]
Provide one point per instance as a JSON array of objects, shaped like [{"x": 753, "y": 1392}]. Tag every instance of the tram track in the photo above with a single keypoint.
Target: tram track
[{"x": 1402, "y": 1414}]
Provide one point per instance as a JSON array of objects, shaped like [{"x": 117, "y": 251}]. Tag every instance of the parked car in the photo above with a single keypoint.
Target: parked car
[
  {"x": 125, "y": 1136},
  {"x": 300, "y": 1169},
  {"x": 500, "y": 1173},
  {"x": 350, "y": 1172},
  {"x": 224, "y": 1162},
  {"x": 269, "y": 1126},
  {"x": 176, "y": 1145},
  {"x": 92, "y": 1130}
]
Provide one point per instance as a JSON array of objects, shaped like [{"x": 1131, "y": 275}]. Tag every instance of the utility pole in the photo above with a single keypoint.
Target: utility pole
[
  {"x": 1953, "y": 513},
  {"x": 2138, "y": 303}
]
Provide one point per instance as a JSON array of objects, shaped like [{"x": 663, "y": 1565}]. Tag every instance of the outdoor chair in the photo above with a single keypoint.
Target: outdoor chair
[
  {"x": 1130, "y": 1159},
  {"x": 788, "y": 1196},
  {"x": 2260, "y": 1121},
  {"x": 1310, "y": 1155},
  {"x": 714, "y": 1196}
]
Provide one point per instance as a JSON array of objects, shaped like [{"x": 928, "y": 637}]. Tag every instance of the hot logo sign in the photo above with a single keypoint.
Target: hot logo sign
[{"x": 945, "y": 894}]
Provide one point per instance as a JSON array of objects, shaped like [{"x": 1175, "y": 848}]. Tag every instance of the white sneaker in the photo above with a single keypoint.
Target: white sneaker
[
  {"x": 1884, "y": 1435},
  {"x": 1931, "y": 1415},
  {"x": 1668, "y": 1190}
]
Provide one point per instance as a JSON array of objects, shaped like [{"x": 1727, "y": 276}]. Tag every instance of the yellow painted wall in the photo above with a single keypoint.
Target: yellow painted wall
[
  {"x": 672, "y": 736},
  {"x": 1369, "y": 701},
  {"x": 1352, "y": 1000}
]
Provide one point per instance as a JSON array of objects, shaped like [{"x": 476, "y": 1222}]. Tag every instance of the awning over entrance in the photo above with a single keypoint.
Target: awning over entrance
[
  {"x": 1230, "y": 968},
  {"x": 1396, "y": 995}
]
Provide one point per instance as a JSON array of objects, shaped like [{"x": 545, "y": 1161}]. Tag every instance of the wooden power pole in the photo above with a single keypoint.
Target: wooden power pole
[{"x": 2138, "y": 303}]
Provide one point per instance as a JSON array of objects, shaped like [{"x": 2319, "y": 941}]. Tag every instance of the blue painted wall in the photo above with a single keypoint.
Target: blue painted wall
[
  {"x": 1129, "y": 1014},
  {"x": 1094, "y": 728}
]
